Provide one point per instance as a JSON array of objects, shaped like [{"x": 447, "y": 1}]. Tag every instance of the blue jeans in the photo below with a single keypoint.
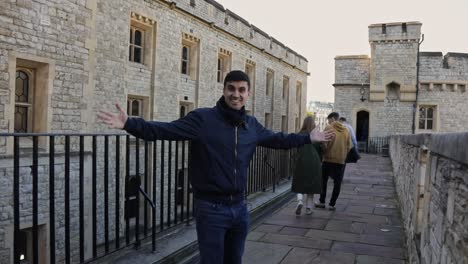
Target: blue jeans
[{"x": 221, "y": 230}]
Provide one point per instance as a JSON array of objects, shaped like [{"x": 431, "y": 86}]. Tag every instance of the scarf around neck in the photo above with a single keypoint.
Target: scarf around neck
[{"x": 233, "y": 116}]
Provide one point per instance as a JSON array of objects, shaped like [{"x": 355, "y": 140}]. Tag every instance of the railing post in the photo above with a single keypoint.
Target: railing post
[
  {"x": 52, "y": 198},
  {"x": 169, "y": 182},
  {"x": 117, "y": 192},
  {"x": 35, "y": 177},
  {"x": 106, "y": 192},
  {"x": 153, "y": 229},
  {"x": 67, "y": 199},
  {"x": 16, "y": 235},
  {"x": 145, "y": 213},
  {"x": 161, "y": 208},
  {"x": 81, "y": 202},
  {"x": 137, "y": 173},
  {"x": 94, "y": 193},
  {"x": 127, "y": 178}
]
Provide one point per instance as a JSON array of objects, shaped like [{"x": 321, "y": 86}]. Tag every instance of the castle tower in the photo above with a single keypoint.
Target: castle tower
[{"x": 394, "y": 50}]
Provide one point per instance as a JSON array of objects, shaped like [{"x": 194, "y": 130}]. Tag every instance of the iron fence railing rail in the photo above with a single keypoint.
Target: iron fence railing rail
[{"x": 87, "y": 190}]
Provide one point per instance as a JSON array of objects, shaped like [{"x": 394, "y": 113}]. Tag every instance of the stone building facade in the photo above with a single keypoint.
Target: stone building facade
[
  {"x": 390, "y": 93},
  {"x": 60, "y": 63},
  {"x": 320, "y": 110}
]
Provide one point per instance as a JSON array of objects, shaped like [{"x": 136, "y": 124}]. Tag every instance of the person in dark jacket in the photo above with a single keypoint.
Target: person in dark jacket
[
  {"x": 223, "y": 143},
  {"x": 307, "y": 179}
]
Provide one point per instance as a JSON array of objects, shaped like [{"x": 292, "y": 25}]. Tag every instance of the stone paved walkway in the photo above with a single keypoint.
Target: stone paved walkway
[{"x": 365, "y": 228}]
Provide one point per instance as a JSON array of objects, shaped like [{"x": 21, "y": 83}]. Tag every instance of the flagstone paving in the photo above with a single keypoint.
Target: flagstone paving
[{"x": 365, "y": 228}]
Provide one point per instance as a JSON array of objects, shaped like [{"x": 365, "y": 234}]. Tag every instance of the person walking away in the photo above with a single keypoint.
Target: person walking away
[
  {"x": 307, "y": 178},
  {"x": 351, "y": 131},
  {"x": 334, "y": 157},
  {"x": 353, "y": 155}
]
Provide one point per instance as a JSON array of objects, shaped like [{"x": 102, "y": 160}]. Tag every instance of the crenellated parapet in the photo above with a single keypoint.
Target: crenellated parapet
[
  {"x": 451, "y": 68},
  {"x": 218, "y": 17}
]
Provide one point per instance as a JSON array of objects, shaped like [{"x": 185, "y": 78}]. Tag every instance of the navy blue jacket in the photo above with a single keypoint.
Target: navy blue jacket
[{"x": 221, "y": 152}]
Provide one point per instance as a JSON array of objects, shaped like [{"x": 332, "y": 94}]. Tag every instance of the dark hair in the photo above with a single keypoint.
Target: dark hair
[
  {"x": 333, "y": 115},
  {"x": 308, "y": 124},
  {"x": 236, "y": 76},
  {"x": 342, "y": 119}
]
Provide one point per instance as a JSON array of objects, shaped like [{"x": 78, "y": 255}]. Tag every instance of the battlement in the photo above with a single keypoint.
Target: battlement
[
  {"x": 452, "y": 66},
  {"x": 216, "y": 15},
  {"x": 396, "y": 31}
]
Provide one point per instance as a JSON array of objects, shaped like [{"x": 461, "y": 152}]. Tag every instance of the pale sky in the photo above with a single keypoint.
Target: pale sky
[{"x": 322, "y": 29}]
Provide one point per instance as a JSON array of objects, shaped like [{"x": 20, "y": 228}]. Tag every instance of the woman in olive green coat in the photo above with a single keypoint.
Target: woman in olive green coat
[{"x": 307, "y": 178}]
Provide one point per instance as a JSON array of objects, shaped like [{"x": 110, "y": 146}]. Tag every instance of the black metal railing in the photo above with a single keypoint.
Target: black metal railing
[
  {"x": 86, "y": 191},
  {"x": 375, "y": 145}
]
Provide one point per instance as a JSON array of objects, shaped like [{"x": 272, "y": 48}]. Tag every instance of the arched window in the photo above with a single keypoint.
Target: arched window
[
  {"x": 135, "y": 107},
  {"x": 23, "y": 102},
  {"x": 136, "y": 45},
  {"x": 185, "y": 59},
  {"x": 220, "y": 70}
]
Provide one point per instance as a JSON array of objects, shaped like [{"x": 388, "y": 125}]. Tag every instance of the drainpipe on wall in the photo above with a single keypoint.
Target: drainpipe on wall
[{"x": 417, "y": 88}]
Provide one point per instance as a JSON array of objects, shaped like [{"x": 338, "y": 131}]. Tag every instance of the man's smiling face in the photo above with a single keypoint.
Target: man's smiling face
[{"x": 236, "y": 94}]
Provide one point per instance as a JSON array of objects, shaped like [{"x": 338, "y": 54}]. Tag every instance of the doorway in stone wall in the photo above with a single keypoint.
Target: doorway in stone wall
[{"x": 362, "y": 129}]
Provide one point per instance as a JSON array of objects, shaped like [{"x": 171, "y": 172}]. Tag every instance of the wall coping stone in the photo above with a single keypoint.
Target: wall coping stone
[
  {"x": 451, "y": 145},
  {"x": 457, "y": 55},
  {"x": 351, "y": 57},
  {"x": 430, "y": 54},
  {"x": 395, "y": 24}
]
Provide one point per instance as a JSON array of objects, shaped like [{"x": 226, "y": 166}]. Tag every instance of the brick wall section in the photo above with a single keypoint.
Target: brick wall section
[{"x": 431, "y": 181}]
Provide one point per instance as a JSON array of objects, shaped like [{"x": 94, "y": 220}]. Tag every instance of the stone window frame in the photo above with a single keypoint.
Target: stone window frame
[
  {"x": 299, "y": 93},
  {"x": 223, "y": 64},
  {"x": 250, "y": 69},
  {"x": 146, "y": 26},
  {"x": 192, "y": 44},
  {"x": 284, "y": 123},
  {"x": 268, "y": 120},
  {"x": 297, "y": 124},
  {"x": 29, "y": 103},
  {"x": 185, "y": 108},
  {"x": 133, "y": 46},
  {"x": 185, "y": 69},
  {"x": 285, "y": 94},
  {"x": 270, "y": 82},
  {"x": 143, "y": 105},
  {"x": 434, "y": 119},
  {"x": 43, "y": 70}
]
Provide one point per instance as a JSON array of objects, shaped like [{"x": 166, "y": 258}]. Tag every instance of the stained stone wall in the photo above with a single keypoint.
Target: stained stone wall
[
  {"x": 431, "y": 173},
  {"x": 443, "y": 82},
  {"x": 80, "y": 51}
]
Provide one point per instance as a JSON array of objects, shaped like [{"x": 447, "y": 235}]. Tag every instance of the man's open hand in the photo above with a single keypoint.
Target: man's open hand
[
  {"x": 317, "y": 136},
  {"x": 114, "y": 120}
]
